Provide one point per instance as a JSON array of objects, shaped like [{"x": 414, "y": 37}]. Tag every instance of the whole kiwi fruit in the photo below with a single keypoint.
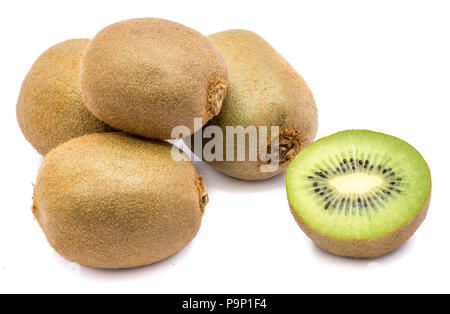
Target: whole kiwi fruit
[
  {"x": 147, "y": 76},
  {"x": 50, "y": 109},
  {"x": 111, "y": 200},
  {"x": 264, "y": 90},
  {"x": 359, "y": 193}
]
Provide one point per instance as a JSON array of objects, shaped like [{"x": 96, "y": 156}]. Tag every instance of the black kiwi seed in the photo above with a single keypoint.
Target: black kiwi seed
[{"x": 364, "y": 202}]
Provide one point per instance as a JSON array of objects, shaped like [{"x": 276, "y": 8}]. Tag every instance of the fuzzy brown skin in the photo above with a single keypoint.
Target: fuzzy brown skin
[
  {"x": 113, "y": 201},
  {"x": 264, "y": 90},
  {"x": 364, "y": 248},
  {"x": 51, "y": 109},
  {"x": 147, "y": 76}
]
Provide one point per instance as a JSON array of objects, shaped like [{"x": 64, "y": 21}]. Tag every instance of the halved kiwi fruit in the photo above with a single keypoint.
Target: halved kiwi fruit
[{"x": 359, "y": 193}]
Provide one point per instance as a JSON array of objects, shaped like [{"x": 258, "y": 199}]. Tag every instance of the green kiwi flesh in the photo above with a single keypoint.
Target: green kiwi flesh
[
  {"x": 359, "y": 193},
  {"x": 112, "y": 201}
]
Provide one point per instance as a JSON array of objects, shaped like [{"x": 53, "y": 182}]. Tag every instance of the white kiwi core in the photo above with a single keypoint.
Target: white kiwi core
[{"x": 356, "y": 183}]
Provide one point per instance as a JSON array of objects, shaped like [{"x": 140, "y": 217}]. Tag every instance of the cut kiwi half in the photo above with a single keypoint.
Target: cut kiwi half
[{"x": 359, "y": 193}]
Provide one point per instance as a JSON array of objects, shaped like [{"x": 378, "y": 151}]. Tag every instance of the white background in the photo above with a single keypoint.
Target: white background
[{"x": 378, "y": 65}]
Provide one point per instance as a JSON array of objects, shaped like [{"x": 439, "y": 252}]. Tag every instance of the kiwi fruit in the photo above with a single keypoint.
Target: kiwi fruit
[
  {"x": 50, "y": 109},
  {"x": 147, "y": 76},
  {"x": 264, "y": 91},
  {"x": 359, "y": 193},
  {"x": 111, "y": 200}
]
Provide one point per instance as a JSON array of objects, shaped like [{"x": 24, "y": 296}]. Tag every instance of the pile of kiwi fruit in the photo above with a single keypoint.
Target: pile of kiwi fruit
[{"x": 111, "y": 193}]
